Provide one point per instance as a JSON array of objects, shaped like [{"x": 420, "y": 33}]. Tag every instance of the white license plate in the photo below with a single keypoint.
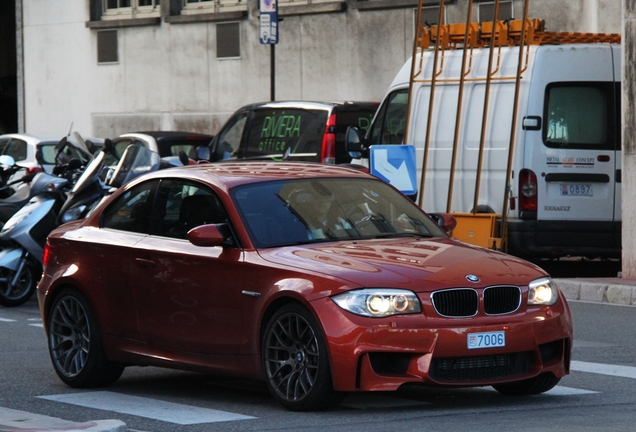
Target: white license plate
[
  {"x": 577, "y": 190},
  {"x": 486, "y": 340}
]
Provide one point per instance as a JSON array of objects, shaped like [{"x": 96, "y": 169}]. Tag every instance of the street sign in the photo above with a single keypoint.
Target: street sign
[
  {"x": 269, "y": 22},
  {"x": 395, "y": 164}
]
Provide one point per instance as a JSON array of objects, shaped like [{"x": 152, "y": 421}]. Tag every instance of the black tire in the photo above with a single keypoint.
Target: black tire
[
  {"x": 539, "y": 384},
  {"x": 75, "y": 344},
  {"x": 23, "y": 290},
  {"x": 295, "y": 361}
]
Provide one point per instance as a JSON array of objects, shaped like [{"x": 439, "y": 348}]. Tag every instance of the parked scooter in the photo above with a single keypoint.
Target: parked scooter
[{"x": 61, "y": 200}]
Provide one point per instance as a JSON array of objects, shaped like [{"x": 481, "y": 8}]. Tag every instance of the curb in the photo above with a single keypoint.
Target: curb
[
  {"x": 613, "y": 291},
  {"x": 22, "y": 421}
]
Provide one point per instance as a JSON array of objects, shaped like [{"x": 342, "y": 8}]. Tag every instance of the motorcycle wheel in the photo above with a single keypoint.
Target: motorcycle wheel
[{"x": 22, "y": 291}]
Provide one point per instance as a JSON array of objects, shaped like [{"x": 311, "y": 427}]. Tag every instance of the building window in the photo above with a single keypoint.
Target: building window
[
  {"x": 430, "y": 15},
  {"x": 305, "y": 2},
  {"x": 487, "y": 10},
  {"x": 127, "y": 9},
  {"x": 212, "y": 6},
  {"x": 228, "y": 40},
  {"x": 107, "y": 46}
]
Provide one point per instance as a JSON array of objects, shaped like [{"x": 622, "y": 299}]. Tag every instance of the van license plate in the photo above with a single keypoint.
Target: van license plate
[
  {"x": 576, "y": 190},
  {"x": 486, "y": 340}
]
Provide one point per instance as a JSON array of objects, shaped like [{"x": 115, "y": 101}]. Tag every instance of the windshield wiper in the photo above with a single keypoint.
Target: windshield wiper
[{"x": 402, "y": 234}]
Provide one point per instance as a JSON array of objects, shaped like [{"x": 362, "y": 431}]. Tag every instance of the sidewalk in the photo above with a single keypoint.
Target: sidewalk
[{"x": 615, "y": 291}]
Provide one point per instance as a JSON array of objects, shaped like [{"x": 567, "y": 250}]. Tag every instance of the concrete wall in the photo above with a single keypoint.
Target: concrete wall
[
  {"x": 629, "y": 140},
  {"x": 168, "y": 76}
]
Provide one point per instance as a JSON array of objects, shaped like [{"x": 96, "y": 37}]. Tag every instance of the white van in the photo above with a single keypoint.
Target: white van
[{"x": 564, "y": 193}]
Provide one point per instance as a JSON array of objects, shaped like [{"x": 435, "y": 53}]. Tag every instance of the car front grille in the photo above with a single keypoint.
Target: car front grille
[
  {"x": 501, "y": 299},
  {"x": 482, "y": 368},
  {"x": 456, "y": 302},
  {"x": 464, "y": 302}
]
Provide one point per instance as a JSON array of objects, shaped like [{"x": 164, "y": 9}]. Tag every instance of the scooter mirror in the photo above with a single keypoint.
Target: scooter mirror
[{"x": 7, "y": 160}]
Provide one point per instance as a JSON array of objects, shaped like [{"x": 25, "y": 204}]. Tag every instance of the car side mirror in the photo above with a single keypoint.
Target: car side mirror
[
  {"x": 208, "y": 235},
  {"x": 445, "y": 220},
  {"x": 8, "y": 160},
  {"x": 354, "y": 142}
]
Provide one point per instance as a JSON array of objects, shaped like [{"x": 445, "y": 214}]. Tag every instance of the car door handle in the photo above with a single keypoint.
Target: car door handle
[{"x": 143, "y": 262}]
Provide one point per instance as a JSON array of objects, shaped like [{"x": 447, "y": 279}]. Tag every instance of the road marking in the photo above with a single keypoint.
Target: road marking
[
  {"x": 604, "y": 369},
  {"x": 6, "y": 320},
  {"x": 567, "y": 391},
  {"x": 37, "y": 325},
  {"x": 146, "y": 407}
]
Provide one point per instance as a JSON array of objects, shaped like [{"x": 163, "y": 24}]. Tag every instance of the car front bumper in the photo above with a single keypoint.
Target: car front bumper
[{"x": 376, "y": 354}]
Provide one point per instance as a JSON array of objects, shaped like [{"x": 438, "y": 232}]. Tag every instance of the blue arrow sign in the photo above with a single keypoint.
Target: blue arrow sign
[{"x": 395, "y": 164}]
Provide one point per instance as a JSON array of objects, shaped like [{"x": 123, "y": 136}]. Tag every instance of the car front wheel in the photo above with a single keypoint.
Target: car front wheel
[
  {"x": 295, "y": 361},
  {"x": 75, "y": 344}
]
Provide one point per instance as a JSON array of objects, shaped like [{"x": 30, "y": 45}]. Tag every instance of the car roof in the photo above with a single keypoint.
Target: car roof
[
  {"x": 32, "y": 139},
  {"x": 230, "y": 174},
  {"x": 161, "y": 135},
  {"x": 325, "y": 105}
]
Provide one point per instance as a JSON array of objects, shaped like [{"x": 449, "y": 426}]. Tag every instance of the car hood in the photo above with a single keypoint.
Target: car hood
[{"x": 415, "y": 264}]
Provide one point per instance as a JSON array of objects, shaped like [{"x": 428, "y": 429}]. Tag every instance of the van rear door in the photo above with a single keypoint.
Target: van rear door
[{"x": 574, "y": 153}]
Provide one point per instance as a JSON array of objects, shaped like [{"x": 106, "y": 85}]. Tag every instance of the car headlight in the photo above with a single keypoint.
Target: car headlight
[
  {"x": 542, "y": 292},
  {"x": 378, "y": 302}
]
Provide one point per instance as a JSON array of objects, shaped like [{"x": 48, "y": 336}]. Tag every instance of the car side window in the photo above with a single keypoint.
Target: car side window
[
  {"x": 229, "y": 141},
  {"x": 17, "y": 149},
  {"x": 131, "y": 211},
  {"x": 182, "y": 205}
]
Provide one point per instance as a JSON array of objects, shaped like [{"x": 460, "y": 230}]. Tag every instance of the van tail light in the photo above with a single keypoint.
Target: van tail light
[
  {"x": 328, "y": 153},
  {"x": 33, "y": 170},
  {"x": 528, "y": 193}
]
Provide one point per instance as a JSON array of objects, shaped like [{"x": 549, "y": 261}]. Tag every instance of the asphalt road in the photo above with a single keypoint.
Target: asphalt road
[{"x": 598, "y": 395}]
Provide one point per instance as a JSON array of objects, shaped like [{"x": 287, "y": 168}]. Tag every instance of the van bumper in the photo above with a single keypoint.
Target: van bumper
[{"x": 529, "y": 238}]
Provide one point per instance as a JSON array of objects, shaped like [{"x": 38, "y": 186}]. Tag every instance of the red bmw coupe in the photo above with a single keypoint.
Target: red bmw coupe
[{"x": 318, "y": 279}]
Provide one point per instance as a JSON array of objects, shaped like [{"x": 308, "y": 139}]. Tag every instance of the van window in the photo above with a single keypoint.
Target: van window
[
  {"x": 273, "y": 131},
  {"x": 390, "y": 122},
  {"x": 579, "y": 116}
]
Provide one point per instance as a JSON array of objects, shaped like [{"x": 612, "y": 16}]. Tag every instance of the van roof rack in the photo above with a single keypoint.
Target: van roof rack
[{"x": 507, "y": 33}]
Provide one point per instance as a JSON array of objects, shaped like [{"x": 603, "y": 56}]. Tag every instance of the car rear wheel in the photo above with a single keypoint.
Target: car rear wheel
[
  {"x": 539, "y": 384},
  {"x": 295, "y": 361},
  {"x": 75, "y": 344}
]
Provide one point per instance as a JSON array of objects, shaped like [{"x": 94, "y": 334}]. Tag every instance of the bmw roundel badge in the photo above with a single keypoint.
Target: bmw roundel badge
[{"x": 472, "y": 278}]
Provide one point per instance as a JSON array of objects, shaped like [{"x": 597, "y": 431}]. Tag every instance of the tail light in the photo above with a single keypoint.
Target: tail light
[
  {"x": 528, "y": 194},
  {"x": 46, "y": 254},
  {"x": 328, "y": 154},
  {"x": 33, "y": 170}
]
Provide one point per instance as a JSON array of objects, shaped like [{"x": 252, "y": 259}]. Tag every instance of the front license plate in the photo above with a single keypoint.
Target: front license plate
[
  {"x": 577, "y": 190},
  {"x": 486, "y": 340}
]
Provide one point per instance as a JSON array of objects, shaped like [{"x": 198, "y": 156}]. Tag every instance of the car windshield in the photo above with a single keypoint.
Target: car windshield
[{"x": 300, "y": 211}]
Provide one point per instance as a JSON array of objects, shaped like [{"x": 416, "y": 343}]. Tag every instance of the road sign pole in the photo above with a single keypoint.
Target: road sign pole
[
  {"x": 269, "y": 36},
  {"x": 272, "y": 69}
]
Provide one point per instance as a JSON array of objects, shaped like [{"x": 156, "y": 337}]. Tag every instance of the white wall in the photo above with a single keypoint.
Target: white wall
[{"x": 168, "y": 76}]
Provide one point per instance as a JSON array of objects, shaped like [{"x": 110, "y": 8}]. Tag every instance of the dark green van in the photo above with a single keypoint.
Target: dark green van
[{"x": 297, "y": 131}]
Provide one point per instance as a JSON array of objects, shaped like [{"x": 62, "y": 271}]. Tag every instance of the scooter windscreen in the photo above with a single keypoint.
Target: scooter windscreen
[
  {"x": 135, "y": 161},
  {"x": 91, "y": 172}
]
